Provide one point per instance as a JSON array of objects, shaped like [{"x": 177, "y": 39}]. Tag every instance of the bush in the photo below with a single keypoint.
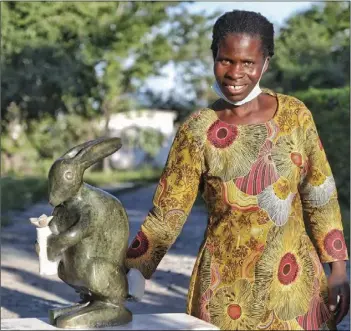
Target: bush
[
  {"x": 331, "y": 112},
  {"x": 52, "y": 137},
  {"x": 21, "y": 192}
]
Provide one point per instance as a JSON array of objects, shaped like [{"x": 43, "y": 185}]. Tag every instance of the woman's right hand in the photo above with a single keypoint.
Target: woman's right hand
[{"x": 338, "y": 285}]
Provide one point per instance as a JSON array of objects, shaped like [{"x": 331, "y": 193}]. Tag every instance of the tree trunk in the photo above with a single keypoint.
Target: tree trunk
[{"x": 106, "y": 132}]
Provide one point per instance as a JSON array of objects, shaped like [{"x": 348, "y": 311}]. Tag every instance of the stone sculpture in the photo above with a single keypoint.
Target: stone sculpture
[{"x": 89, "y": 238}]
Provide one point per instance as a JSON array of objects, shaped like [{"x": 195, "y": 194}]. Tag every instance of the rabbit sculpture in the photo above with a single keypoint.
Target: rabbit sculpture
[{"x": 90, "y": 239}]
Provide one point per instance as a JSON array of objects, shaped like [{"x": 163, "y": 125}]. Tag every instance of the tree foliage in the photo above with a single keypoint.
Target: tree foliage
[
  {"x": 89, "y": 58},
  {"x": 79, "y": 57},
  {"x": 312, "y": 49},
  {"x": 43, "y": 71}
]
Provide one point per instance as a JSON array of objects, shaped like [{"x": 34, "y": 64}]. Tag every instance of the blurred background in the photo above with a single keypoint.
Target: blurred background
[{"x": 74, "y": 71}]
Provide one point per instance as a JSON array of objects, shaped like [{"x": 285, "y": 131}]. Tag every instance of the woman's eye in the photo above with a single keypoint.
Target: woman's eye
[{"x": 225, "y": 62}]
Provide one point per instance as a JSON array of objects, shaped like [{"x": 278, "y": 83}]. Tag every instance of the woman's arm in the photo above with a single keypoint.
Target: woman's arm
[
  {"x": 321, "y": 206},
  {"x": 172, "y": 202}
]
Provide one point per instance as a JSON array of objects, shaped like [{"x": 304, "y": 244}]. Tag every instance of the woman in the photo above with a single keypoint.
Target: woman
[{"x": 261, "y": 164}]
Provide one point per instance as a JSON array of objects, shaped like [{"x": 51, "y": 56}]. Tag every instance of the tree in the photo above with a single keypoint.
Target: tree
[
  {"x": 190, "y": 37},
  {"x": 79, "y": 56},
  {"x": 43, "y": 70},
  {"x": 85, "y": 58},
  {"x": 192, "y": 34},
  {"x": 312, "y": 50}
]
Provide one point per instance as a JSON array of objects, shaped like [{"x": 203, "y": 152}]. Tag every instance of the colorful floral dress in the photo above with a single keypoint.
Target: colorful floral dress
[{"x": 257, "y": 268}]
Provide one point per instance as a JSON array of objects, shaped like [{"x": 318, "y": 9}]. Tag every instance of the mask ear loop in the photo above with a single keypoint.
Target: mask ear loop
[{"x": 264, "y": 68}]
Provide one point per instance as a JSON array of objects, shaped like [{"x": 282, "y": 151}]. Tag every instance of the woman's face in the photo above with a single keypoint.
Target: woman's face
[{"x": 238, "y": 65}]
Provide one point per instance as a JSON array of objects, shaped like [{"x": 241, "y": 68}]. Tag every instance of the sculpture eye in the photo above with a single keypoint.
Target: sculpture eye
[{"x": 68, "y": 175}]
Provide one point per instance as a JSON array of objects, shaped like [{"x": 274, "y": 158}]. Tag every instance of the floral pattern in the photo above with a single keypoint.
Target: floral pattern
[
  {"x": 232, "y": 307},
  {"x": 263, "y": 172},
  {"x": 256, "y": 269},
  {"x": 221, "y": 135},
  {"x": 285, "y": 272}
]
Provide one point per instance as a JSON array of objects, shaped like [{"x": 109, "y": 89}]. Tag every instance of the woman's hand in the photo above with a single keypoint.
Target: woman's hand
[{"x": 338, "y": 285}]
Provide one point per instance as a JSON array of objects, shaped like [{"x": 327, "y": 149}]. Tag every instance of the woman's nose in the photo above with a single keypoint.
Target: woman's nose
[{"x": 235, "y": 71}]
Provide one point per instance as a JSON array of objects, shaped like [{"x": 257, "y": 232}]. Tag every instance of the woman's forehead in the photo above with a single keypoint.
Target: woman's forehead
[{"x": 240, "y": 42}]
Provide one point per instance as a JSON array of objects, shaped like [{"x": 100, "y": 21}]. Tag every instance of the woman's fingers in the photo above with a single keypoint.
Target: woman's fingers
[
  {"x": 333, "y": 298},
  {"x": 343, "y": 305}
]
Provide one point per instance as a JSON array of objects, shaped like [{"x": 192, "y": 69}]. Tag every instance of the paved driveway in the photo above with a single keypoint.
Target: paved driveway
[{"x": 25, "y": 293}]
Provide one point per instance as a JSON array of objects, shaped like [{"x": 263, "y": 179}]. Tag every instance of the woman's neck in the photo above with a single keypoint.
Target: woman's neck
[
  {"x": 242, "y": 110},
  {"x": 259, "y": 110}
]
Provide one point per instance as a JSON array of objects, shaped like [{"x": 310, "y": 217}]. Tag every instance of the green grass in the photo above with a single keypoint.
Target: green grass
[
  {"x": 19, "y": 192},
  {"x": 143, "y": 175}
]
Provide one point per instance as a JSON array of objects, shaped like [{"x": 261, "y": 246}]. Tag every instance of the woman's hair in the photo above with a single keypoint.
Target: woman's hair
[{"x": 242, "y": 21}]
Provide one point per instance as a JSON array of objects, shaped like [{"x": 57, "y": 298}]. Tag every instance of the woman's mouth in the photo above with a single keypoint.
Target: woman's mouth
[{"x": 235, "y": 89}]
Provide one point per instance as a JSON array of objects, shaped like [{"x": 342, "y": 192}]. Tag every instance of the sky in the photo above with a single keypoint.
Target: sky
[{"x": 277, "y": 12}]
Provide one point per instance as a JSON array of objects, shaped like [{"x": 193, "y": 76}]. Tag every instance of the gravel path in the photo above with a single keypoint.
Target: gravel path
[{"x": 25, "y": 293}]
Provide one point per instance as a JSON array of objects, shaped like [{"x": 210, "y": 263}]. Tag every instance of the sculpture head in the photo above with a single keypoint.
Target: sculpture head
[{"x": 66, "y": 173}]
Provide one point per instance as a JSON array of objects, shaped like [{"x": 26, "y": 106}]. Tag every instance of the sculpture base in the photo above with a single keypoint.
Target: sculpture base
[{"x": 140, "y": 322}]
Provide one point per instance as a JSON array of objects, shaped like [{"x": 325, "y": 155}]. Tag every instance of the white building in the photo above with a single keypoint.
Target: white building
[{"x": 127, "y": 125}]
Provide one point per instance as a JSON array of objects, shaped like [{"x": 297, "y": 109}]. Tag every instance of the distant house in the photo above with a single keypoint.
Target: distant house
[{"x": 128, "y": 125}]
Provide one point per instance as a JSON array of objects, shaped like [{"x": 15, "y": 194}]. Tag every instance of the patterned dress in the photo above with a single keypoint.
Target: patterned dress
[{"x": 257, "y": 268}]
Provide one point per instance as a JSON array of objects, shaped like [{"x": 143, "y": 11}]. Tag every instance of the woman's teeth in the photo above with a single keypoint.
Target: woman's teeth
[{"x": 235, "y": 87}]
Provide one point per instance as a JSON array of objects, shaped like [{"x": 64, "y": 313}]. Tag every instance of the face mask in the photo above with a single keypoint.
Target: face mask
[{"x": 256, "y": 91}]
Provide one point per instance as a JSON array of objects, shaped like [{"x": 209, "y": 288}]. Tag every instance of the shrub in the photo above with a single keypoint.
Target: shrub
[{"x": 21, "y": 192}]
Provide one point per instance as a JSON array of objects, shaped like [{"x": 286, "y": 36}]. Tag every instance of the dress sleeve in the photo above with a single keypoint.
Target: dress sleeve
[
  {"x": 319, "y": 197},
  {"x": 174, "y": 197}
]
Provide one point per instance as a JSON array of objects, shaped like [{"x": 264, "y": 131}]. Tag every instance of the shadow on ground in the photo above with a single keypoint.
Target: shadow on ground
[
  {"x": 22, "y": 308},
  {"x": 29, "y": 305}
]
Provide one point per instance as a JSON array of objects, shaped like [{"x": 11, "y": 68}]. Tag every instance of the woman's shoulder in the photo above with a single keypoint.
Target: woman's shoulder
[
  {"x": 198, "y": 122},
  {"x": 289, "y": 99},
  {"x": 194, "y": 128},
  {"x": 292, "y": 113},
  {"x": 289, "y": 105}
]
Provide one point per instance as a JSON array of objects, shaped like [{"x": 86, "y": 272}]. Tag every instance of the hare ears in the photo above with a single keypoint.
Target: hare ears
[{"x": 91, "y": 151}]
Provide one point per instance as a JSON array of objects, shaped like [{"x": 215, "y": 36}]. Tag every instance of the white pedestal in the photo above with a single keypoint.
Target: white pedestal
[{"x": 140, "y": 322}]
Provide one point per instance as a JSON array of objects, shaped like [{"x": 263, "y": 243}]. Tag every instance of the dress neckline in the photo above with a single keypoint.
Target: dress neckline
[{"x": 264, "y": 90}]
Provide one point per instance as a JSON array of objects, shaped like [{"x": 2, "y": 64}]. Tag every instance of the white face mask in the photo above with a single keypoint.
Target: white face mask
[{"x": 256, "y": 91}]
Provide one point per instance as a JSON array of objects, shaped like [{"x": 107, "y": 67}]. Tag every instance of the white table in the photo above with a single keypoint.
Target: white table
[{"x": 140, "y": 322}]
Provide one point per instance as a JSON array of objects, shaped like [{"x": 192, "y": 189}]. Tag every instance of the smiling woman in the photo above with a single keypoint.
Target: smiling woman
[
  {"x": 236, "y": 69},
  {"x": 258, "y": 157},
  {"x": 241, "y": 57}
]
